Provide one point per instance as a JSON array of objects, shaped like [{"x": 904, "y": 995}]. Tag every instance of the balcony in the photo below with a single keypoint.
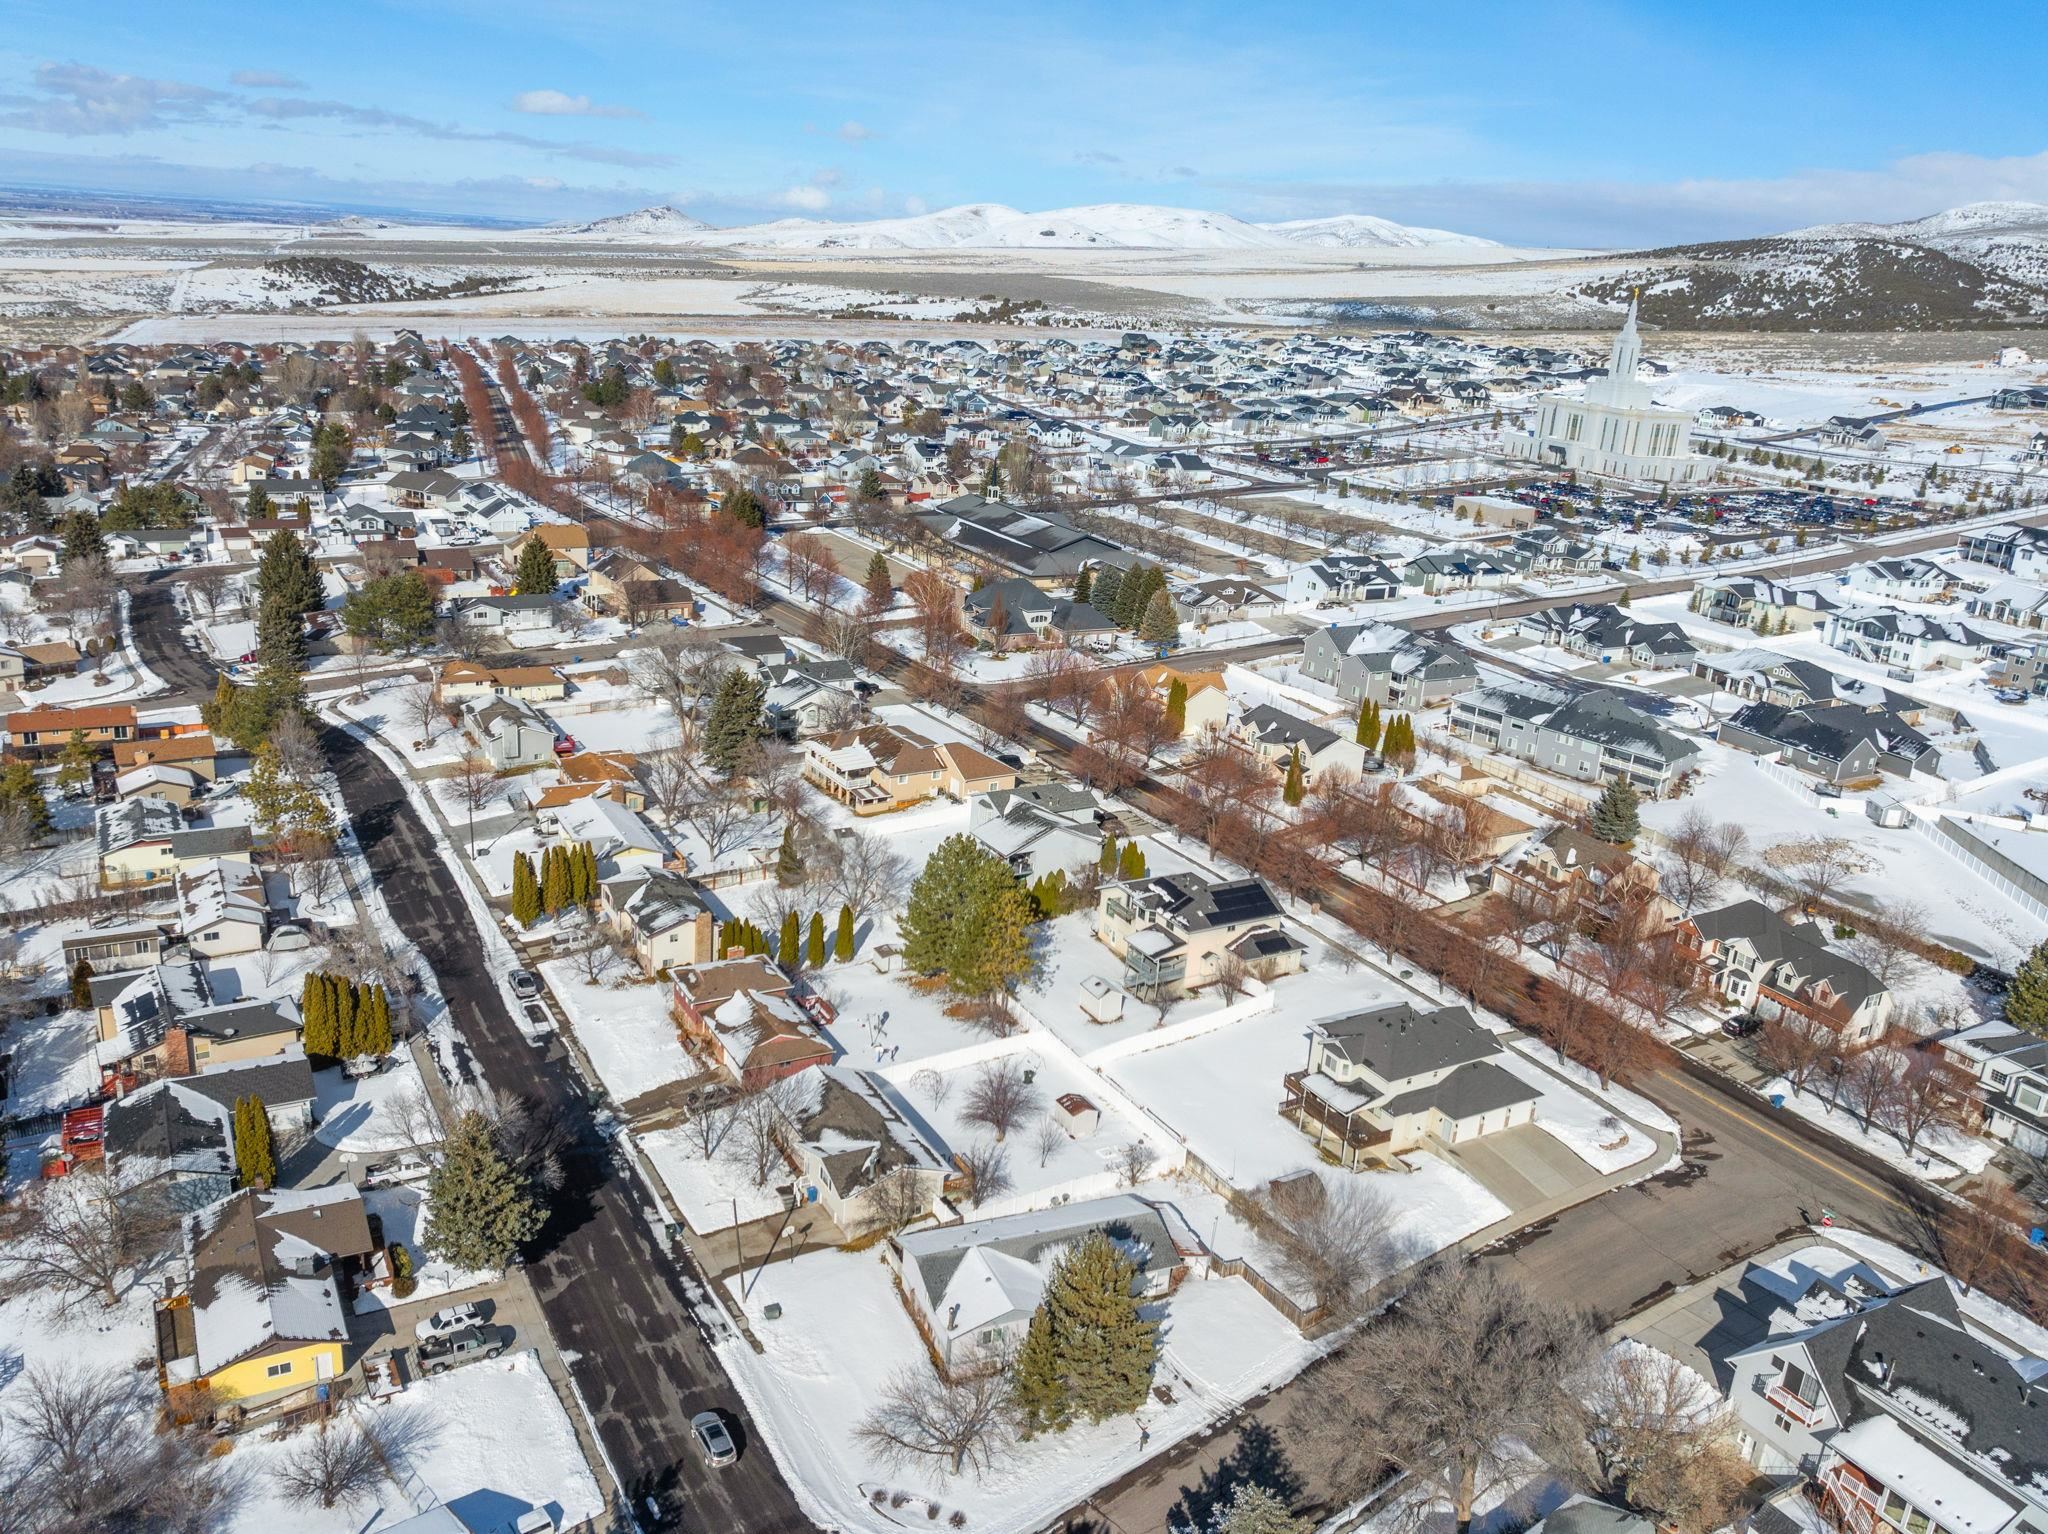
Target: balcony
[
  {"x": 1298, "y": 1103},
  {"x": 1778, "y": 1398}
]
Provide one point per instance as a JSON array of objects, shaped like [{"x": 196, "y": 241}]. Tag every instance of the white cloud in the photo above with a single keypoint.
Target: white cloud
[
  {"x": 78, "y": 99},
  {"x": 543, "y": 183},
  {"x": 855, "y": 133},
  {"x": 913, "y": 206},
  {"x": 810, "y": 198},
  {"x": 546, "y": 103},
  {"x": 265, "y": 80}
]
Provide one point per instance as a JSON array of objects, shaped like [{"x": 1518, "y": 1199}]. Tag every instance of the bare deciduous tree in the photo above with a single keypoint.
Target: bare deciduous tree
[
  {"x": 1933, "y": 1092},
  {"x": 1888, "y": 938},
  {"x": 933, "y": 1087},
  {"x": 897, "y": 1197},
  {"x": 985, "y": 1167},
  {"x": 1334, "y": 1239},
  {"x": 964, "y": 1423},
  {"x": 1000, "y": 1098},
  {"x": 1818, "y": 865},
  {"x": 83, "y": 1456},
  {"x": 1659, "y": 1439},
  {"x": 1701, "y": 851},
  {"x": 1048, "y": 1140},
  {"x": 1467, "y": 1377},
  {"x": 334, "y": 1463},
  {"x": 864, "y": 874},
  {"x": 760, "y": 1117},
  {"x": 82, "y": 1238},
  {"x": 676, "y": 668},
  {"x": 1134, "y": 1161},
  {"x": 419, "y": 710}
]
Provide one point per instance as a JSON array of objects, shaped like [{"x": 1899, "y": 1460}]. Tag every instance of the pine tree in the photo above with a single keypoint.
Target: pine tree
[
  {"x": 554, "y": 881},
  {"x": 1177, "y": 706},
  {"x": 20, "y": 792},
  {"x": 220, "y": 714},
  {"x": 1614, "y": 818},
  {"x": 2026, "y": 999},
  {"x": 791, "y": 939},
  {"x": 1161, "y": 623},
  {"x": 789, "y": 868},
  {"x": 814, "y": 946},
  {"x": 317, "y": 1020},
  {"x": 1292, "y": 790},
  {"x": 81, "y": 983},
  {"x": 1107, "y": 862},
  {"x": 535, "y": 574},
  {"x": 376, "y": 1027},
  {"x": 1083, "y": 584},
  {"x": 842, "y": 942},
  {"x": 881, "y": 591},
  {"x": 1105, "y": 590},
  {"x": 255, "y": 1152},
  {"x": 74, "y": 767},
  {"x": 734, "y": 723},
  {"x": 480, "y": 1207},
  {"x": 1089, "y": 1353},
  {"x": 285, "y": 574},
  {"x": 967, "y": 918},
  {"x": 1130, "y": 862},
  {"x": 525, "y": 891},
  {"x": 350, "y": 1012},
  {"x": 1368, "y": 727},
  {"x": 588, "y": 855},
  {"x": 280, "y": 635},
  {"x": 1252, "y": 1509}
]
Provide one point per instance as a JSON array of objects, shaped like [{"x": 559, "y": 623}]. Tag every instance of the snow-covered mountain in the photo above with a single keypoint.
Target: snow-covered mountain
[
  {"x": 2008, "y": 239},
  {"x": 1363, "y": 230},
  {"x": 993, "y": 226},
  {"x": 659, "y": 224}
]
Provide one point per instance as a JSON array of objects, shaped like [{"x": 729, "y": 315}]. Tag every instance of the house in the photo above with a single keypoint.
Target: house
[
  {"x": 421, "y": 488},
  {"x": 1904, "y": 641},
  {"x": 861, "y": 1152},
  {"x": 119, "y": 948},
  {"x": 42, "y": 731},
  {"x": 608, "y": 774},
  {"x": 263, "y": 1321},
  {"x": 1208, "y": 698},
  {"x": 1594, "y": 737},
  {"x": 461, "y": 679},
  {"x": 1850, "y": 431},
  {"x": 879, "y": 767},
  {"x": 163, "y": 1021},
  {"x": 1039, "y": 827},
  {"x": 1610, "y": 634},
  {"x": 662, "y": 916},
  {"x": 1551, "y": 551},
  {"x": 512, "y": 735},
  {"x": 1767, "y": 676},
  {"x": 1043, "y": 546},
  {"x": 518, "y": 618},
  {"x": 807, "y": 696},
  {"x": 1383, "y": 1082},
  {"x": 1566, "y": 869},
  {"x": 1179, "y": 932},
  {"x": 973, "y": 1288},
  {"x": 743, "y": 1016},
  {"x": 1908, "y": 579},
  {"x": 1017, "y": 609},
  {"x": 1837, "y": 742},
  {"x": 1899, "y": 1409},
  {"x": 1435, "y": 571},
  {"x": 1774, "y": 967},
  {"x": 158, "y": 781},
  {"x": 197, "y": 754},
  {"x": 1279, "y": 738},
  {"x": 221, "y": 908},
  {"x": 2011, "y": 1068},
  {"x": 619, "y": 839},
  {"x": 1379, "y": 663},
  {"x": 2020, "y": 551},
  {"x": 1769, "y": 607},
  {"x": 179, "y": 1141},
  {"x": 1343, "y": 578},
  {"x": 1226, "y": 596},
  {"x": 144, "y": 839}
]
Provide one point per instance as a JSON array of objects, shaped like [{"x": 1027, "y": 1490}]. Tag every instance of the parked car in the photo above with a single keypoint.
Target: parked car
[
  {"x": 447, "y": 1322},
  {"x": 525, "y": 984},
  {"x": 357, "y": 1067},
  {"x": 1828, "y": 790},
  {"x": 714, "y": 1442},
  {"x": 440, "y": 1354},
  {"x": 1743, "y": 1026},
  {"x": 389, "y": 1174}
]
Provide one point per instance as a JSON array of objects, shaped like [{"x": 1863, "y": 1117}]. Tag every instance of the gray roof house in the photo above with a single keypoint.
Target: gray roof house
[
  {"x": 1778, "y": 968},
  {"x": 976, "y": 1285},
  {"x": 1381, "y": 1082},
  {"x": 1038, "y": 827},
  {"x": 1594, "y": 737},
  {"x": 1380, "y": 663},
  {"x": 510, "y": 733},
  {"x": 861, "y": 1150}
]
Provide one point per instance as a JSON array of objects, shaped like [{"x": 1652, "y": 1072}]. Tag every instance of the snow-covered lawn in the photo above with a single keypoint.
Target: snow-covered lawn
[
  {"x": 52, "y": 1064},
  {"x": 490, "y": 1441},
  {"x": 402, "y": 1213},
  {"x": 843, "y": 1330},
  {"x": 710, "y": 1194},
  {"x": 1596, "y": 1135},
  {"x": 373, "y": 1113},
  {"x": 625, "y": 1029},
  {"x": 1943, "y": 1154}
]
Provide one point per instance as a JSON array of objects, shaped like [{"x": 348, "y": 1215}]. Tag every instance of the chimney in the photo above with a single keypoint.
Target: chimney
[{"x": 703, "y": 943}]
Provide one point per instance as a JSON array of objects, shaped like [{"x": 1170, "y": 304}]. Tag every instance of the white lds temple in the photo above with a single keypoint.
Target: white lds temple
[{"x": 1612, "y": 429}]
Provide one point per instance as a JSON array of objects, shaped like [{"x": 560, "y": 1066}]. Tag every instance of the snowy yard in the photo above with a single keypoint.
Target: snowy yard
[
  {"x": 51, "y": 1065},
  {"x": 625, "y": 1029},
  {"x": 402, "y": 1212},
  {"x": 388, "y": 1111},
  {"x": 710, "y": 1194}
]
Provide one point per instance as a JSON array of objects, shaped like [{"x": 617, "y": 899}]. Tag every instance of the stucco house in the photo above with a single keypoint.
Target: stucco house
[{"x": 1177, "y": 932}]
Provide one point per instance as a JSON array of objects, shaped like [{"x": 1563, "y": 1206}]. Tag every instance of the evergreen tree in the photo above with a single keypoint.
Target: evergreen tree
[
  {"x": 967, "y": 918},
  {"x": 81, "y": 984},
  {"x": 744, "y": 507},
  {"x": 481, "y": 1209},
  {"x": 1089, "y": 1353},
  {"x": 814, "y": 945},
  {"x": 1083, "y": 584},
  {"x": 83, "y": 540},
  {"x": 535, "y": 575},
  {"x": 734, "y": 723},
  {"x": 881, "y": 591},
  {"x": 525, "y": 891},
  {"x": 842, "y": 942},
  {"x": 1107, "y": 862},
  {"x": 1368, "y": 726},
  {"x": 1254, "y": 1510},
  {"x": 285, "y": 574},
  {"x": 1177, "y": 706},
  {"x": 587, "y": 857},
  {"x": 1105, "y": 591},
  {"x": 317, "y": 1020},
  {"x": 374, "y": 1027},
  {"x": 255, "y": 1152},
  {"x": 2026, "y": 999},
  {"x": 554, "y": 881},
  {"x": 288, "y": 810},
  {"x": 789, "y": 868},
  {"x": 1292, "y": 790},
  {"x": 1614, "y": 818},
  {"x": 1131, "y": 862},
  {"x": 74, "y": 766},
  {"x": 280, "y": 635},
  {"x": 349, "y": 1026},
  {"x": 1161, "y": 623},
  {"x": 331, "y": 450},
  {"x": 791, "y": 940},
  {"x": 21, "y": 794}
]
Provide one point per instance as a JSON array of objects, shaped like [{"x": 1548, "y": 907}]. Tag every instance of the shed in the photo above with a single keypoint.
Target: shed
[
  {"x": 1887, "y": 810},
  {"x": 1076, "y": 1115},
  {"x": 1102, "y": 1002}
]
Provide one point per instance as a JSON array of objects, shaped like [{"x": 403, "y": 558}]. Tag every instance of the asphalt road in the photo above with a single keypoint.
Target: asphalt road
[{"x": 613, "y": 1298}]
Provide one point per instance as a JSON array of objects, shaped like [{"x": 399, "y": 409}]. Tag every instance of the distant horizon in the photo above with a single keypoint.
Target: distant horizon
[{"x": 1595, "y": 124}]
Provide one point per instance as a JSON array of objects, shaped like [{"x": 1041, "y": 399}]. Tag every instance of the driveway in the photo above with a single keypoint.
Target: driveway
[{"x": 1522, "y": 1167}]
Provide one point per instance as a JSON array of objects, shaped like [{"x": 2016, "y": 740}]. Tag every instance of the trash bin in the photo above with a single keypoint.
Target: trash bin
[{"x": 1777, "y": 1099}]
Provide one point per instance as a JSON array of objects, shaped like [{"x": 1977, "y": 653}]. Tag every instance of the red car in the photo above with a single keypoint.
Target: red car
[{"x": 566, "y": 746}]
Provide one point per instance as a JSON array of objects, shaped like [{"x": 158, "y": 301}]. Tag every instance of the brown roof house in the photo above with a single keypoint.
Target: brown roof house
[
  {"x": 862, "y": 1153},
  {"x": 744, "y": 1015},
  {"x": 879, "y": 768}
]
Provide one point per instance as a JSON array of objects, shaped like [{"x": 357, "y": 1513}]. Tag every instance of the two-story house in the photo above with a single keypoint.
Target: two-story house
[
  {"x": 1379, "y": 663},
  {"x": 1775, "y": 967},
  {"x": 1177, "y": 932}
]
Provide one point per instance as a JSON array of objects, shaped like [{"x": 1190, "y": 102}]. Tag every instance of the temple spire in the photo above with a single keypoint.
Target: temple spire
[{"x": 1628, "y": 346}]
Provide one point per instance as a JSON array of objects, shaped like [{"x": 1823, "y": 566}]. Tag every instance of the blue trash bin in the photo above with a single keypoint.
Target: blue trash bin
[{"x": 1777, "y": 1099}]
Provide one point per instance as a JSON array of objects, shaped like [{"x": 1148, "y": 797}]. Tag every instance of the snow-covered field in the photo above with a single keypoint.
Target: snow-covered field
[{"x": 625, "y": 1030}]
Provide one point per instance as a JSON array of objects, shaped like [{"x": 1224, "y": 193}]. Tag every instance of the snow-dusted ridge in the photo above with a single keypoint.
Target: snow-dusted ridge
[{"x": 1971, "y": 221}]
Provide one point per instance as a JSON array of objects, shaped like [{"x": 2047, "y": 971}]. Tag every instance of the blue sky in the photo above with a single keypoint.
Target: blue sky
[{"x": 1554, "y": 123}]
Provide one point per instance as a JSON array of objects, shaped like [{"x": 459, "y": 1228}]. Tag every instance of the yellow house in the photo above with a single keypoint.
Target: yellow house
[
  {"x": 1208, "y": 705},
  {"x": 461, "y": 679},
  {"x": 263, "y": 1322}
]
